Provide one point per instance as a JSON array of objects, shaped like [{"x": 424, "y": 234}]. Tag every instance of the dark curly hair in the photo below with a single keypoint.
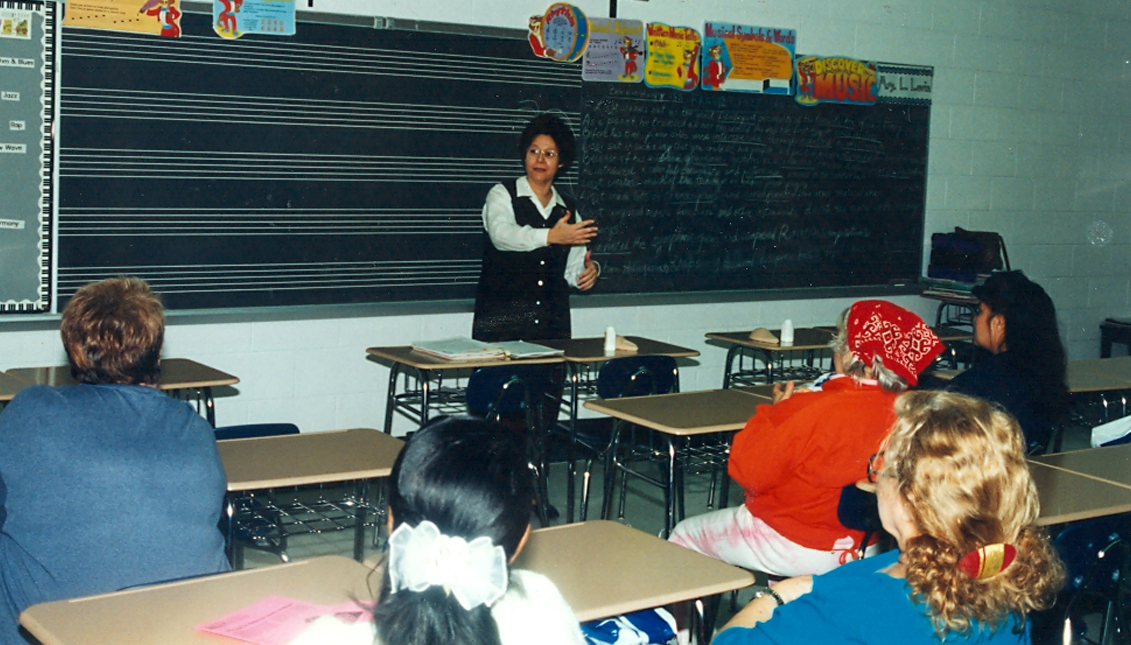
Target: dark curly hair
[{"x": 556, "y": 129}]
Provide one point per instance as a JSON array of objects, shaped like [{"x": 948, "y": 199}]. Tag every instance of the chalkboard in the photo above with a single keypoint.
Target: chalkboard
[
  {"x": 348, "y": 164},
  {"x": 706, "y": 191},
  {"x": 345, "y": 164}
]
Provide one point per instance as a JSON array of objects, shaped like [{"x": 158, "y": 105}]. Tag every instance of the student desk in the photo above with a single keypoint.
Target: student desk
[
  {"x": 10, "y": 386},
  {"x": 360, "y": 455},
  {"x": 581, "y": 354},
  {"x": 606, "y": 569},
  {"x": 1099, "y": 374},
  {"x": 806, "y": 340},
  {"x": 417, "y": 402},
  {"x": 677, "y": 417},
  {"x": 1068, "y": 496},
  {"x": 177, "y": 375},
  {"x": 1111, "y": 464},
  {"x": 167, "y": 613}
]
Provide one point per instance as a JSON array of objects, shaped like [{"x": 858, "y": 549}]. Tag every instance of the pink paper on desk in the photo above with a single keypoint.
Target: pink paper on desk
[{"x": 278, "y": 620}]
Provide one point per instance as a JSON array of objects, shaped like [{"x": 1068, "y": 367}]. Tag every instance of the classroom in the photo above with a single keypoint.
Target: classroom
[{"x": 1027, "y": 138}]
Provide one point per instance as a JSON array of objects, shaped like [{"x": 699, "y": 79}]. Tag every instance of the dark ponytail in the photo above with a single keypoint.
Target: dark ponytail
[{"x": 470, "y": 478}]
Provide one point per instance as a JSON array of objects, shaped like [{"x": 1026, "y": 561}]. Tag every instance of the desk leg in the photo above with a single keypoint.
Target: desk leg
[
  {"x": 209, "y": 406},
  {"x": 768, "y": 360},
  {"x": 359, "y": 527},
  {"x": 728, "y": 368},
  {"x": 425, "y": 395},
  {"x": 671, "y": 492},
  {"x": 391, "y": 397},
  {"x": 705, "y": 611},
  {"x": 571, "y": 453},
  {"x": 229, "y": 525}
]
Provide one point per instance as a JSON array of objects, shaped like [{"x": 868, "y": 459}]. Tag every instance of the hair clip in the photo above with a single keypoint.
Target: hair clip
[{"x": 987, "y": 561}]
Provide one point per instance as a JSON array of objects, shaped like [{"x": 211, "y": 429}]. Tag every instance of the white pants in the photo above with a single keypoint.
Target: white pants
[{"x": 735, "y": 536}]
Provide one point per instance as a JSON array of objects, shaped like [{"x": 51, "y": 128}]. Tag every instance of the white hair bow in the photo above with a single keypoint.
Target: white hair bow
[{"x": 474, "y": 572}]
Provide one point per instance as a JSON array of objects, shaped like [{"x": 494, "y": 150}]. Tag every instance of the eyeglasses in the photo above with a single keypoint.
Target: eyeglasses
[
  {"x": 875, "y": 466},
  {"x": 535, "y": 152}
]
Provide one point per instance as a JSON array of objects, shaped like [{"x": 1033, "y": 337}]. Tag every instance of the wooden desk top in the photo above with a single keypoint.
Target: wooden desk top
[
  {"x": 684, "y": 413},
  {"x": 605, "y": 568},
  {"x": 404, "y": 355},
  {"x": 167, "y": 613},
  {"x": 1068, "y": 496},
  {"x": 804, "y": 338},
  {"x": 1111, "y": 464},
  {"x": 314, "y": 458},
  {"x": 1099, "y": 374},
  {"x": 10, "y": 386},
  {"x": 592, "y": 350},
  {"x": 176, "y": 374}
]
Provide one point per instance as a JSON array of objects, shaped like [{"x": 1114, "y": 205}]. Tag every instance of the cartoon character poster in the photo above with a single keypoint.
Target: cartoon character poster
[
  {"x": 747, "y": 59},
  {"x": 673, "y": 57},
  {"x": 157, "y": 17},
  {"x": 616, "y": 51},
  {"x": 835, "y": 79},
  {"x": 562, "y": 33},
  {"x": 234, "y": 18}
]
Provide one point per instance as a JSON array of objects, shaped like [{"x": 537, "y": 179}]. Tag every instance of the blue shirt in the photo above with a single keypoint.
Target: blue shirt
[
  {"x": 859, "y": 604},
  {"x": 103, "y": 487}
]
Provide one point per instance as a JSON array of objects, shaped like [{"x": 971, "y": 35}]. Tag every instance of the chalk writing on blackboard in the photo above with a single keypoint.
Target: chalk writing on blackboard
[{"x": 710, "y": 191}]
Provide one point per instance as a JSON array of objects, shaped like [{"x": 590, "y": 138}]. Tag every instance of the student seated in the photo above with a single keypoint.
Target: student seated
[
  {"x": 955, "y": 492},
  {"x": 1025, "y": 369},
  {"x": 109, "y": 483},
  {"x": 794, "y": 457},
  {"x": 460, "y": 499}
]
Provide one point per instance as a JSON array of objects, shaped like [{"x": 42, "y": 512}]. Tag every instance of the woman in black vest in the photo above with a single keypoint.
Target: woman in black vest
[{"x": 534, "y": 250}]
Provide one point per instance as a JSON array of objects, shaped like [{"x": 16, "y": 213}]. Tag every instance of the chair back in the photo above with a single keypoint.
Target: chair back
[
  {"x": 637, "y": 376},
  {"x": 253, "y": 430},
  {"x": 857, "y": 510},
  {"x": 493, "y": 392}
]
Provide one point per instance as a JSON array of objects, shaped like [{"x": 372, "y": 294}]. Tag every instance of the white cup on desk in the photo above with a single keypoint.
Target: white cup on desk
[{"x": 787, "y": 333}]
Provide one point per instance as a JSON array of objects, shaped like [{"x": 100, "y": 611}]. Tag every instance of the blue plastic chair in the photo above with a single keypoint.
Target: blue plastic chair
[
  {"x": 510, "y": 391},
  {"x": 637, "y": 376},
  {"x": 1096, "y": 556}
]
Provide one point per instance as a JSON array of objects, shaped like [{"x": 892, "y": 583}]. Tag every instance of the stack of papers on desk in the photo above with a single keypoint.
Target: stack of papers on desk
[
  {"x": 457, "y": 349},
  {"x": 466, "y": 349}
]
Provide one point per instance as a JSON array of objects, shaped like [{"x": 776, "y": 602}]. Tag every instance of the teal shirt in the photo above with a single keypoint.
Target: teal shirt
[{"x": 859, "y": 604}]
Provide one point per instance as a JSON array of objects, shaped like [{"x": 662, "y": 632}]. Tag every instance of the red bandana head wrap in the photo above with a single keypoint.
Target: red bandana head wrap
[{"x": 900, "y": 338}]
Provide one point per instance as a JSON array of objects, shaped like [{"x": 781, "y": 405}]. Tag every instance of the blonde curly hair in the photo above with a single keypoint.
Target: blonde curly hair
[{"x": 959, "y": 463}]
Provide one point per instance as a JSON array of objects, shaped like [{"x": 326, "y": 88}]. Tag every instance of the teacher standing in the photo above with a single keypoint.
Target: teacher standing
[{"x": 534, "y": 251}]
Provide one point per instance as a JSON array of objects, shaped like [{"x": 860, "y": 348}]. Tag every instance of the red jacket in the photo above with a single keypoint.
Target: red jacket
[{"x": 794, "y": 457}]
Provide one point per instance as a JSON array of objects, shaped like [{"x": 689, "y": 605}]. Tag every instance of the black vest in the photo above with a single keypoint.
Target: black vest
[{"x": 523, "y": 295}]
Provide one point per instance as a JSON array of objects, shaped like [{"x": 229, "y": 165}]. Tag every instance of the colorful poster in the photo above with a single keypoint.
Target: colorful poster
[
  {"x": 904, "y": 83},
  {"x": 157, "y": 17},
  {"x": 672, "y": 57},
  {"x": 234, "y": 18},
  {"x": 616, "y": 51},
  {"x": 748, "y": 59},
  {"x": 562, "y": 33},
  {"x": 15, "y": 23},
  {"x": 835, "y": 79}
]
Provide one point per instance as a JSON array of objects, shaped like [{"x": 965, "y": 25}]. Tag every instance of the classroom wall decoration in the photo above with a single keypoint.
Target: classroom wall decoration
[
  {"x": 27, "y": 62},
  {"x": 562, "y": 33},
  {"x": 616, "y": 51},
  {"x": 234, "y": 18},
  {"x": 155, "y": 17},
  {"x": 747, "y": 59},
  {"x": 673, "y": 57},
  {"x": 835, "y": 79},
  {"x": 904, "y": 83}
]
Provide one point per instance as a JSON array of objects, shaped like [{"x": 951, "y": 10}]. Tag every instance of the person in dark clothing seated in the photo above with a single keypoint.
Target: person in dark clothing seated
[
  {"x": 109, "y": 483},
  {"x": 1024, "y": 370}
]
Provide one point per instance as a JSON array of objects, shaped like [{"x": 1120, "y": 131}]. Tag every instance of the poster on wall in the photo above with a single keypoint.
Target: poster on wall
[
  {"x": 616, "y": 51},
  {"x": 672, "y": 57},
  {"x": 835, "y": 79},
  {"x": 26, "y": 113},
  {"x": 747, "y": 59},
  {"x": 904, "y": 83},
  {"x": 562, "y": 33},
  {"x": 156, "y": 17},
  {"x": 234, "y": 18}
]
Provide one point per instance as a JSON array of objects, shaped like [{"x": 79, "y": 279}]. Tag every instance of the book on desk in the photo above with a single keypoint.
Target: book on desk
[{"x": 466, "y": 349}]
